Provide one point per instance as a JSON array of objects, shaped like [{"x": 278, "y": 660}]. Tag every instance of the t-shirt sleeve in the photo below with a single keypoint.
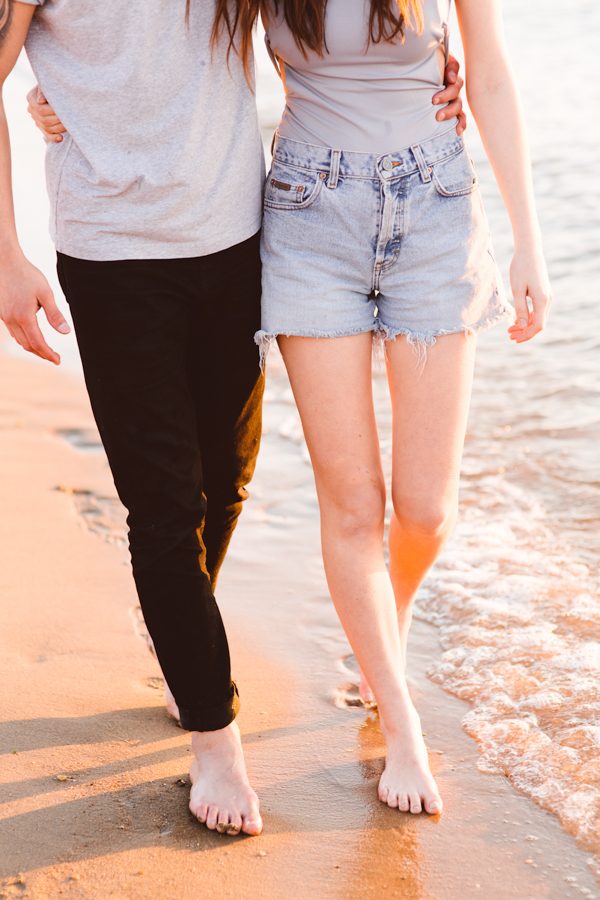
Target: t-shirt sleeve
[{"x": 33, "y": 2}]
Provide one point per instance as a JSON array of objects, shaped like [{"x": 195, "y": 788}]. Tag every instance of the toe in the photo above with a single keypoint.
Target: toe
[
  {"x": 252, "y": 825},
  {"x": 392, "y": 800},
  {"x": 415, "y": 804},
  {"x": 235, "y": 824},
  {"x": 201, "y": 812},
  {"x": 403, "y": 803},
  {"x": 212, "y": 817},
  {"x": 433, "y": 806},
  {"x": 383, "y": 793},
  {"x": 223, "y": 821}
]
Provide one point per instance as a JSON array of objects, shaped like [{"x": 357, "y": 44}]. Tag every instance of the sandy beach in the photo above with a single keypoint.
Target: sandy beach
[{"x": 94, "y": 774}]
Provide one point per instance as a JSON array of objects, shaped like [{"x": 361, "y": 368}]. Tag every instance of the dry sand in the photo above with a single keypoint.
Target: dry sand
[{"x": 94, "y": 775}]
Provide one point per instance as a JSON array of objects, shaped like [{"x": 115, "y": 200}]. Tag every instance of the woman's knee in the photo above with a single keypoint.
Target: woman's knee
[
  {"x": 430, "y": 516},
  {"x": 356, "y": 512}
]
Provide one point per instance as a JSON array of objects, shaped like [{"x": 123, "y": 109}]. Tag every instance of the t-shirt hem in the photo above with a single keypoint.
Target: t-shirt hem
[{"x": 130, "y": 248}]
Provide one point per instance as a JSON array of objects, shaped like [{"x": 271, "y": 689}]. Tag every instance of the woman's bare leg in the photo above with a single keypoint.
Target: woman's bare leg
[
  {"x": 430, "y": 409},
  {"x": 331, "y": 380}
]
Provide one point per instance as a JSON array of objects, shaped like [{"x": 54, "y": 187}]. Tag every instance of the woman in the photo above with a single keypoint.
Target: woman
[{"x": 374, "y": 229}]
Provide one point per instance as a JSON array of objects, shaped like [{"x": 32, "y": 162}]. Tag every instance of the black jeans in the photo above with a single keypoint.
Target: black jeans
[{"x": 175, "y": 385}]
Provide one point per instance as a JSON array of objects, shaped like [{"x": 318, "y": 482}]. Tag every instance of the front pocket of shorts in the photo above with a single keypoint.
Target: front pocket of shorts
[
  {"x": 455, "y": 177},
  {"x": 291, "y": 188}
]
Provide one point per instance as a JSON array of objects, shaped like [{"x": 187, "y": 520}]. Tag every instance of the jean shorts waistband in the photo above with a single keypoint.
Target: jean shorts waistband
[{"x": 352, "y": 164}]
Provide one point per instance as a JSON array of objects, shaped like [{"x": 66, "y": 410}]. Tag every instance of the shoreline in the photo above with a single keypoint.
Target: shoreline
[{"x": 94, "y": 781}]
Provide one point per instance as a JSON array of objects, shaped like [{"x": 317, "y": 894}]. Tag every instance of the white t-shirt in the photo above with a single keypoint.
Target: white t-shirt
[{"x": 163, "y": 156}]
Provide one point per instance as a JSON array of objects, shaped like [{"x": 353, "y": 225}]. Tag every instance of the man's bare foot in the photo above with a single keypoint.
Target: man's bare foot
[
  {"x": 170, "y": 703},
  {"x": 221, "y": 796},
  {"x": 407, "y": 783}
]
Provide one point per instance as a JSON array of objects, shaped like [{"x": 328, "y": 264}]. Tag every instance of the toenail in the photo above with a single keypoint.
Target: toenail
[{"x": 233, "y": 829}]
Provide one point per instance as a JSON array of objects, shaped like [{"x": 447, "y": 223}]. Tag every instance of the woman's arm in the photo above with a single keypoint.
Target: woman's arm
[{"x": 495, "y": 104}]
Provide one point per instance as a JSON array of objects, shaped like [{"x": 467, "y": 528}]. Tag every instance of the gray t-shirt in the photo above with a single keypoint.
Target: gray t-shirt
[
  {"x": 360, "y": 95},
  {"x": 163, "y": 157}
]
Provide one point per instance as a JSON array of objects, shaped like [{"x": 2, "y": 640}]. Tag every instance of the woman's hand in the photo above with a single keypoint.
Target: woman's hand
[
  {"x": 44, "y": 116},
  {"x": 531, "y": 293},
  {"x": 451, "y": 95}
]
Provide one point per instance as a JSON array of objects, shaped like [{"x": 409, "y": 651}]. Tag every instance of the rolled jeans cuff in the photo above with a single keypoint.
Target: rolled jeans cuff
[{"x": 211, "y": 718}]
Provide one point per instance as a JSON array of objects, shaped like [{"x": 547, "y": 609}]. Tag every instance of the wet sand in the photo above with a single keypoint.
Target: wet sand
[{"x": 94, "y": 774}]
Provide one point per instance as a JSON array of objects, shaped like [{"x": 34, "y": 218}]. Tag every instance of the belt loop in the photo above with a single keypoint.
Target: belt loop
[
  {"x": 334, "y": 169},
  {"x": 424, "y": 169}
]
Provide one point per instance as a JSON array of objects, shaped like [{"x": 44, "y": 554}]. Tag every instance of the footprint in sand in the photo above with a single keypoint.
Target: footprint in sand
[{"x": 347, "y": 695}]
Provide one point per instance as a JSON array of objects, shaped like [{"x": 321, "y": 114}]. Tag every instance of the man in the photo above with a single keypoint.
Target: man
[{"x": 155, "y": 197}]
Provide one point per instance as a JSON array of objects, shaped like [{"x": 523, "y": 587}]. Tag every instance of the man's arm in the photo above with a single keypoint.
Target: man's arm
[{"x": 23, "y": 288}]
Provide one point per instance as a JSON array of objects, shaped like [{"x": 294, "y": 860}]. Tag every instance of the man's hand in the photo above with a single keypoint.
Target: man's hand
[
  {"x": 451, "y": 95},
  {"x": 23, "y": 291}
]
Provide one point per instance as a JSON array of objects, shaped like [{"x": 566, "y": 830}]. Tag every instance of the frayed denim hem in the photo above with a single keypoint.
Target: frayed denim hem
[
  {"x": 421, "y": 341},
  {"x": 266, "y": 339}
]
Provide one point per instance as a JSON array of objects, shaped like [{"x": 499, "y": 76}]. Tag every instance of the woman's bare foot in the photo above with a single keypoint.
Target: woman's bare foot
[
  {"x": 170, "y": 703},
  {"x": 221, "y": 796},
  {"x": 365, "y": 693},
  {"x": 407, "y": 783}
]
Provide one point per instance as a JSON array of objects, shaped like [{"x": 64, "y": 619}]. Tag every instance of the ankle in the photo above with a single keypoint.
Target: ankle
[
  {"x": 204, "y": 741},
  {"x": 397, "y": 721}
]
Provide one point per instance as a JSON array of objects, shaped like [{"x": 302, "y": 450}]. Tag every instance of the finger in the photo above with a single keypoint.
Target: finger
[
  {"x": 46, "y": 133},
  {"x": 462, "y": 123},
  {"x": 537, "y": 320},
  {"x": 45, "y": 111},
  {"x": 52, "y": 312},
  {"x": 453, "y": 64},
  {"x": 451, "y": 72},
  {"x": 522, "y": 336},
  {"x": 521, "y": 308},
  {"x": 39, "y": 111},
  {"x": 48, "y": 121},
  {"x": 449, "y": 93},
  {"x": 36, "y": 341},
  {"x": 40, "y": 97},
  {"x": 55, "y": 129},
  {"x": 17, "y": 332},
  {"x": 521, "y": 325},
  {"x": 451, "y": 111}
]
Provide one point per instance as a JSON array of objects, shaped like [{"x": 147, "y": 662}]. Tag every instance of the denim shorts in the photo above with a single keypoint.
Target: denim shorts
[{"x": 395, "y": 245}]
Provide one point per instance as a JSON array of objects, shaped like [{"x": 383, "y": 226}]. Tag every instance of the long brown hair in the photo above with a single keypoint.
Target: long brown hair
[{"x": 388, "y": 20}]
